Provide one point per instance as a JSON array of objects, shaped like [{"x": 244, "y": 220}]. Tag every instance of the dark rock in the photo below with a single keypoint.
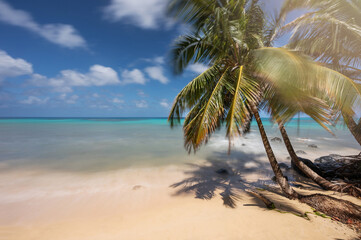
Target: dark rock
[
  {"x": 222, "y": 171},
  {"x": 312, "y": 146},
  {"x": 309, "y": 164},
  {"x": 243, "y": 144},
  {"x": 329, "y": 162},
  {"x": 276, "y": 139},
  {"x": 300, "y": 152},
  {"x": 137, "y": 187},
  {"x": 336, "y": 166},
  {"x": 284, "y": 166}
]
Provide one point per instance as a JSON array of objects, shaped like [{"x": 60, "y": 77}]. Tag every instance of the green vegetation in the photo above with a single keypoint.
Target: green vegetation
[
  {"x": 330, "y": 32},
  {"x": 234, "y": 38}
]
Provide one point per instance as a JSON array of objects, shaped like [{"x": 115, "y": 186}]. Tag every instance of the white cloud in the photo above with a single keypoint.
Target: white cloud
[
  {"x": 156, "y": 60},
  {"x": 72, "y": 99},
  {"x": 159, "y": 60},
  {"x": 141, "y": 104},
  {"x": 156, "y": 73},
  {"x": 148, "y": 14},
  {"x": 101, "y": 106},
  {"x": 197, "y": 68},
  {"x": 62, "y": 96},
  {"x": 57, "y": 85},
  {"x": 61, "y": 34},
  {"x": 97, "y": 76},
  {"x": 95, "y": 95},
  {"x": 12, "y": 67},
  {"x": 134, "y": 76},
  {"x": 164, "y": 103},
  {"x": 141, "y": 93},
  {"x": 34, "y": 100},
  {"x": 117, "y": 101}
]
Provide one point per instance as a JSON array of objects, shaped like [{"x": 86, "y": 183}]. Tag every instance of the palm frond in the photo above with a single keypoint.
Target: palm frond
[
  {"x": 244, "y": 89},
  {"x": 295, "y": 83},
  {"x": 206, "y": 116},
  {"x": 193, "y": 12},
  {"x": 191, "y": 48},
  {"x": 192, "y": 92},
  {"x": 326, "y": 38}
]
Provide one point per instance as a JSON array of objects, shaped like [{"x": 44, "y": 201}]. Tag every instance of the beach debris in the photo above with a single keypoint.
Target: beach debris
[
  {"x": 222, "y": 171},
  {"x": 276, "y": 139},
  {"x": 269, "y": 204},
  {"x": 333, "y": 208},
  {"x": 137, "y": 187},
  {"x": 300, "y": 152},
  {"x": 243, "y": 144},
  {"x": 312, "y": 146}
]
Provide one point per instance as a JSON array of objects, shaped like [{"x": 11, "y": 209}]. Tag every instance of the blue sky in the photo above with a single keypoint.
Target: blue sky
[{"x": 88, "y": 58}]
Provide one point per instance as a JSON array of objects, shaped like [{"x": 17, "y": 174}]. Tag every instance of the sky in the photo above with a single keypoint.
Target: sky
[{"x": 89, "y": 58}]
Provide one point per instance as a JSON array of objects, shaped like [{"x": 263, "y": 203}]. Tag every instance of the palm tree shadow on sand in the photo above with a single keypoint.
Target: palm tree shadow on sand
[{"x": 222, "y": 174}]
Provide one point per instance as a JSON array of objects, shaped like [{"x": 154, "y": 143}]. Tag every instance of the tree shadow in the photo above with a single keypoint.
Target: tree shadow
[
  {"x": 223, "y": 174},
  {"x": 205, "y": 181}
]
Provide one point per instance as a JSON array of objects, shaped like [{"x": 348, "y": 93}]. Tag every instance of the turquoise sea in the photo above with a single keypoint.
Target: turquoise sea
[{"x": 97, "y": 144}]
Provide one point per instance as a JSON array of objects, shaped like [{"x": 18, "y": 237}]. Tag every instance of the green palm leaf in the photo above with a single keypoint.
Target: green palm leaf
[
  {"x": 192, "y": 92},
  {"x": 201, "y": 123}
]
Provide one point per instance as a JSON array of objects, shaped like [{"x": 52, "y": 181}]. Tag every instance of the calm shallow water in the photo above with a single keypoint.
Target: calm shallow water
[{"x": 88, "y": 145}]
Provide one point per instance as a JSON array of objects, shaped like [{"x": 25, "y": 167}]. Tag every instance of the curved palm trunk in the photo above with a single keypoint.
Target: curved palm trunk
[
  {"x": 354, "y": 128},
  {"x": 337, "y": 208},
  {"x": 281, "y": 180},
  {"x": 325, "y": 184},
  {"x": 303, "y": 167}
]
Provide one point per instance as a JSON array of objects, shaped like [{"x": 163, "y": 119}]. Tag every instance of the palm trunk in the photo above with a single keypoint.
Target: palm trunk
[
  {"x": 354, "y": 128},
  {"x": 336, "y": 208},
  {"x": 281, "y": 180},
  {"x": 303, "y": 167},
  {"x": 325, "y": 184}
]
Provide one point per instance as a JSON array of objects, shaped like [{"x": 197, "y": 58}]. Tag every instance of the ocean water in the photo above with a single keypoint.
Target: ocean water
[{"x": 90, "y": 144}]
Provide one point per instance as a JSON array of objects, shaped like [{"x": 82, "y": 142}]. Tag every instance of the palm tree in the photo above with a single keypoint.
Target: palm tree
[
  {"x": 330, "y": 32},
  {"x": 322, "y": 182},
  {"x": 314, "y": 34},
  {"x": 229, "y": 36}
]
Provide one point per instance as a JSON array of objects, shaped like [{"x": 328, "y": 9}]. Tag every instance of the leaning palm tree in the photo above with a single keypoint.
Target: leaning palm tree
[
  {"x": 330, "y": 32},
  {"x": 229, "y": 36}
]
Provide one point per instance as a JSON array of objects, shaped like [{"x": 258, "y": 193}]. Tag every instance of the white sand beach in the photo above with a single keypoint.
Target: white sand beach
[{"x": 139, "y": 203}]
